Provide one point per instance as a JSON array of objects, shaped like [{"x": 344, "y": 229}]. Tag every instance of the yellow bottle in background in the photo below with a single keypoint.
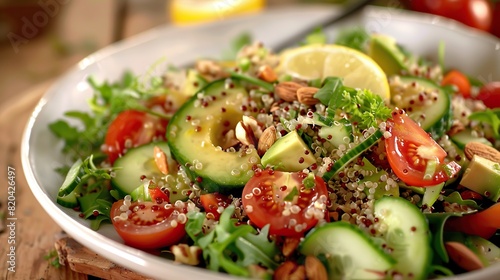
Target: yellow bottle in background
[{"x": 196, "y": 11}]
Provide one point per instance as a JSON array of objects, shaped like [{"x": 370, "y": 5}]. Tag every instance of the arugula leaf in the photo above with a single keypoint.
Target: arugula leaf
[
  {"x": 331, "y": 87},
  {"x": 455, "y": 197},
  {"x": 355, "y": 38},
  {"x": 230, "y": 247},
  {"x": 489, "y": 116}
]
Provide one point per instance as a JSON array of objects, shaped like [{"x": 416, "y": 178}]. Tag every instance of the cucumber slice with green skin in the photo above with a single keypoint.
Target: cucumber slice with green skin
[
  {"x": 465, "y": 136},
  {"x": 69, "y": 200},
  {"x": 139, "y": 163},
  {"x": 406, "y": 234},
  {"x": 73, "y": 178},
  {"x": 196, "y": 132},
  {"x": 350, "y": 252},
  {"x": 338, "y": 133},
  {"x": 439, "y": 115},
  {"x": 352, "y": 154},
  {"x": 431, "y": 194}
]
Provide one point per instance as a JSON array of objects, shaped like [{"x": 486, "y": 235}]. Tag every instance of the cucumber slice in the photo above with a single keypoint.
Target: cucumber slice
[
  {"x": 438, "y": 115},
  {"x": 431, "y": 194},
  {"x": 72, "y": 179},
  {"x": 136, "y": 163},
  {"x": 349, "y": 252},
  {"x": 352, "y": 154},
  {"x": 465, "y": 136},
  {"x": 338, "y": 133},
  {"x": 407, "y": 234},
  {"x": 196, "y": 135}
]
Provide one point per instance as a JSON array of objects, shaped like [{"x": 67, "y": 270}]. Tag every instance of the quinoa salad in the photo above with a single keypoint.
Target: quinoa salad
[{"x": 343, "y": 159}]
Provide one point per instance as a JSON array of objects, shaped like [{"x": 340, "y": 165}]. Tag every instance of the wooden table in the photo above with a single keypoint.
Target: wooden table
[{"x": 30, "y": 229}]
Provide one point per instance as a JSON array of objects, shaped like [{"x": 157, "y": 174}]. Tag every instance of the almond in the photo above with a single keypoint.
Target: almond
[
  {"x": 463, "y": 256},
  {"x": 266, "y": 73},
  {"x": 287, "y": 90},
  {"x": 456, "y": 127},
  {"x": 315, "y": 270},
  {"x": 290, "y": 244},
  {"x": 266, "y": 140},
  {"x": 482, "y": 150},
  {"x": 289, "y": 271},
  {"x": 305, "y": 95}
]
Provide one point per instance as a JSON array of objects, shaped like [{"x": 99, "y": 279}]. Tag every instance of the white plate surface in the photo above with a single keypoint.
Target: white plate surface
[{"x": 466, "y": 49}]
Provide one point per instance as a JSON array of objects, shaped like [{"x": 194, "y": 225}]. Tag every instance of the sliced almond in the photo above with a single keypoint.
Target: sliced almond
[
  {"x": 315, "y": 270},
  {"x": 305, "y": 95},
  {"x": 290, "y": 271},
  {"x": 463, "y": 256},
  {"x": 287, "y": 90},
  {"x": 160, "y": 160},
  {"x": 289, "y": 245},
  {"x": 266, "y": 140},
  {"x": 267, "y": 74},
  {"x": 456, "y": 127},
  {"x": 482, "y": 150}
]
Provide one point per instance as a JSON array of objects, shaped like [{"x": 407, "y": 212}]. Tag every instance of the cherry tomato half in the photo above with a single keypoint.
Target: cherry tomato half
[
  {"x": 149, "y": 225},
  {"x": 213, "y": 203},
  {"x": 410, "y": 151},
  {"x": 132, "y": 128},
  {"x": 484, "y": 223},
  {"x": 490, "y": 95},
  {"x": 475, "y": 13},
  {"x": 286, "y": 201},
  {"x": 459, "y": 80}
]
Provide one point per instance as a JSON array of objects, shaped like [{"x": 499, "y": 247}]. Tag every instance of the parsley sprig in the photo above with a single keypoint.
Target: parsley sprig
[{"x": 363, "y": 107}]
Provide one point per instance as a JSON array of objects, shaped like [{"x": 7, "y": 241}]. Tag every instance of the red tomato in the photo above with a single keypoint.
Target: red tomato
[
  {"x": 484, "y": 223},
  {"x": 490, "y": 95},
  {"x": 281, "y": 200},
  {"x": 410, "y": 150},
  {"x": 475, "y": 13},
  {"x": 132, "y": 128},
  {"x": 158, "y": 195},
  {"x": 495, "y": 25},
  {"x": 149, "y": 225},
  {"x": 212, "y": 202},
  {"x": 459, "y": 80}
]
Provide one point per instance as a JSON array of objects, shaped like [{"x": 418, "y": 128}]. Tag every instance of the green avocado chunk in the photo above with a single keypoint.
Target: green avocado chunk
[
  {"x": 289, "y": 153},
  {"x": 384, "y": 50},
  {"x": 483, "y": 176}
]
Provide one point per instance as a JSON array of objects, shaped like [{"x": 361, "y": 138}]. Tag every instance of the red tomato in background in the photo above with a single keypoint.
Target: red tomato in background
[
  {"x": 410, "y": 150},
  {"x": 149, "y": 225},
  {"x": 475, "y": 13},
  {"x": 490, "y": 94},
  {"x": 459, "y": 80},
  {"x": 212, "y": 201},
  {"x": 495, "y": 25},
  {"x": 132, "y": 128},
  {"x": 281, "y": 200}
]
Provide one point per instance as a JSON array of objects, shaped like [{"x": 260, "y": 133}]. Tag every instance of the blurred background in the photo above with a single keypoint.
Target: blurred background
[{"x": 40, "y": 39}]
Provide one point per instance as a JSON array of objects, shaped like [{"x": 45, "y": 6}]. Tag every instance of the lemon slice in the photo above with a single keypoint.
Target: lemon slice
[
  {"x": 195, "y": 11},
  {"x": 319, "y": 61}
]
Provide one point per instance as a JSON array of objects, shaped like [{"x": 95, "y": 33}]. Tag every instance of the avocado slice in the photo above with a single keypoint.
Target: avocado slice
[
  {"x": 196, "y": 133},
  {"x": 289, "y": 153},
  {"x": 384, "y": 50},
  {"x": 483, "y": 176}
]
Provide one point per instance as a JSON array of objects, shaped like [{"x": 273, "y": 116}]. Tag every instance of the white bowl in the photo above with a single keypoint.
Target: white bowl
[{"x": 466, "y": 49}]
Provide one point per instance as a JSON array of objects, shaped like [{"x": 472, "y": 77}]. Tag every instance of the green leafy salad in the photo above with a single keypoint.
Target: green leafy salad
[{"x": 351, "y": 159}]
